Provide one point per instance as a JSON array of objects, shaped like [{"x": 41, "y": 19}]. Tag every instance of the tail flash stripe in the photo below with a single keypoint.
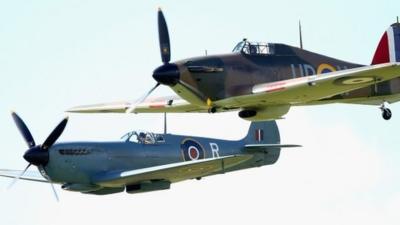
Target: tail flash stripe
[
  {"x": 382, "y": 51},
  {"x": 391, "y": 43},
  {"x": 396, "y": 37},
  {"x": 259, "y": 135}
]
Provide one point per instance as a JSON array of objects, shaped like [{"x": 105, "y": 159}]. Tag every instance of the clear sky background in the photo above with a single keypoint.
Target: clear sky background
[{"x": 59, "y": 54}]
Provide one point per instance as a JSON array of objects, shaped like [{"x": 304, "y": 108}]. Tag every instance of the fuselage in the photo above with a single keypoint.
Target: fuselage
[
  {"x": 238, "y": 72},
  {"x": 81, "y": 162},
  {"x": 231, "y": 75}
]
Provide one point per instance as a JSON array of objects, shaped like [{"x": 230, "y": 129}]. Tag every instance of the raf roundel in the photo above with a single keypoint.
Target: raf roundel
[
  {"x": 354, "y": 80},
  {"x": 192, "y": 150}
]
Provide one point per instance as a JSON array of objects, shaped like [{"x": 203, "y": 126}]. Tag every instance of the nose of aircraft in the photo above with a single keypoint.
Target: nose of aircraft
[
  {"x": 167, "y": 74},
  {"x": 37, "y": 156}
]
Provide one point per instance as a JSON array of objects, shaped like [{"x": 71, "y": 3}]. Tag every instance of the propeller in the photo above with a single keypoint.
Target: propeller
[
  {"x": 163, "y": 37},
  {"x": 141, "y": 99},
  {"x": 19, "y": 176},
  {"x": 37, "y": 155},
  {"x": 168, "y": 73}
]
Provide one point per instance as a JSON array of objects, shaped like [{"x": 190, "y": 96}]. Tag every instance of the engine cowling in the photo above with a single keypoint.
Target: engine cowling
[{"x": 262, "y": 114}]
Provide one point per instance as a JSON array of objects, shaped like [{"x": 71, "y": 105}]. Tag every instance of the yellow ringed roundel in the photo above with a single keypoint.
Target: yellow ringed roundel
[{"x": 325, "y": 68}]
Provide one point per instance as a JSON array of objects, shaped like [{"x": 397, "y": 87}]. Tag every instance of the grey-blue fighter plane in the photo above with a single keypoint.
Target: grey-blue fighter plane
[{"x": 142, "y": 161}]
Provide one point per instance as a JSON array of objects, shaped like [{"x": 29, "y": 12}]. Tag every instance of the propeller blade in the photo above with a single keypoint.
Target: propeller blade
[
  {"x": 54, "y": 191},
  {"x": 163, "y": 36},
  {"x": 55, "y": 134},
  {"x": 142, "y": 99},
  {"x": 19, "y": 176},
  {"x": 23, "y": 129}
]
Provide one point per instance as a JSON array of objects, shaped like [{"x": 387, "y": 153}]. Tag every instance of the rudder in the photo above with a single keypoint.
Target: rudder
[{"x": 388, "y": 49}]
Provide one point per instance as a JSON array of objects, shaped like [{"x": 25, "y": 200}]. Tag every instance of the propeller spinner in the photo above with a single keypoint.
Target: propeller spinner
[{"x": 37, "y": 155}]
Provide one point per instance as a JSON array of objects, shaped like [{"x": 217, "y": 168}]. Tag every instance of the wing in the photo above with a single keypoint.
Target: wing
[
  {"x": 171, "y": 172},
  {"x": 29, "y": 175},
  {"x": 170, "y": 104},
  {"x": 311, "y": 88},
  {"x": 297, "y": 91}
]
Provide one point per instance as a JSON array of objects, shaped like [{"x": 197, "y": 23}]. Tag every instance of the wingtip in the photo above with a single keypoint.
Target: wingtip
[
  {"x": 70, "y": 110},
  {"x": 75, "y": 109}
]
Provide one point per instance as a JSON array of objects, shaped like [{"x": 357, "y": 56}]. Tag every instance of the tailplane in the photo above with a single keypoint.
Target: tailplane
[
  {"x": 263, "y": 140},
  {"x": 264, "y": 136},
  {"x": 388, "y": 49}
]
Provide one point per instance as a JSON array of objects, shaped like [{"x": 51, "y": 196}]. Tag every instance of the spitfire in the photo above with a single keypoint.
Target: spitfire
[
  {"x": 291, "y": 76},
  {"x": 142, "y": 161}
]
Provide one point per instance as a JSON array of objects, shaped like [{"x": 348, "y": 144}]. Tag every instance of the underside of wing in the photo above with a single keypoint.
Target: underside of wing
[
  {"x": 301, "y": 90},
  {"x": 298, "y": 91},
  {"x": 367, "y": 100},
  {"x": 171, "y": 104},
  {"x": 171, "y": 172},
  {"x": 28, "y": 175}
]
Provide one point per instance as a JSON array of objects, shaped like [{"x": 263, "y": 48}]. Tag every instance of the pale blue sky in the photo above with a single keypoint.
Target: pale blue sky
[{"x": 59, "y": 54}]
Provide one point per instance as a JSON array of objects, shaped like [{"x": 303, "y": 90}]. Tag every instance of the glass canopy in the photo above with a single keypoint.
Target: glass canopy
[
  {"x": 143, "y": 137},
  {"x": 254, "y": 48}
]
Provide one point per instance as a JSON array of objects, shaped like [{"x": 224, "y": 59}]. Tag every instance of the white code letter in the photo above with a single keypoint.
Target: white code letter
[{"x": 214, "y": 150}]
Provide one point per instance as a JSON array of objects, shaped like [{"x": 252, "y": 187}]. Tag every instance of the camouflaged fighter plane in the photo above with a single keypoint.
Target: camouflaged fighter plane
[
  {"x": 142, "y": 161},
  {"x": 263, "y": 80}
]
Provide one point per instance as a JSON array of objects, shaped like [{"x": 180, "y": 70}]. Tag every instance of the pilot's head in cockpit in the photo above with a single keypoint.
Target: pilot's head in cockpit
[{"x": 141, "y": 137}]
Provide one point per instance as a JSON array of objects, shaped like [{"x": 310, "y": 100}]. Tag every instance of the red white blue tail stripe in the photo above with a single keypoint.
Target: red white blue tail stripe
[{"x": 388, "y": 49}]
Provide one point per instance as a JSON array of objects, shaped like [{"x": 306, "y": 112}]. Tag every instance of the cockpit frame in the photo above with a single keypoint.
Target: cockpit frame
[
  {"x": 143, "y": 137},
  {"x": 254, "y": 48}
]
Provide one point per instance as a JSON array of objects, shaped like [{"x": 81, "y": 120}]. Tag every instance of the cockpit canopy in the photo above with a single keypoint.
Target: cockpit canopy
[
  {"x": 143, "y": 137},
  {"x": 254, "y": 48}
]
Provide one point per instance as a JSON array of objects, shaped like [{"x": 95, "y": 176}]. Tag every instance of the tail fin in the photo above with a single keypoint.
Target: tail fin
[
  {"x": 388, "y": 49},
  {"x": 264, "y": 132}
]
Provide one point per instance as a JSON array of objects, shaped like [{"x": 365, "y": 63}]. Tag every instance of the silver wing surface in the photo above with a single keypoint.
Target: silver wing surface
[
  {"x": 171, "y": 172},
  {"x": 308, "y": 89},
  {"x": 170, "y": 104},
  {"x": 29, "y": 175},
  {"x": 296, "y": 91}
]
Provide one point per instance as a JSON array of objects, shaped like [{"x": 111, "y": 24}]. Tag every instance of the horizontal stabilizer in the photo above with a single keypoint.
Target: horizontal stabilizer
[{"x": 267, "y": 147}]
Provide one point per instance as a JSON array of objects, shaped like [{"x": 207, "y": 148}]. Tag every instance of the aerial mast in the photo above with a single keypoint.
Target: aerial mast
[
  {"x": 300, "y": 36},
  {"x": 165, "y": 123},
  {"x": 169, "y": 103}
]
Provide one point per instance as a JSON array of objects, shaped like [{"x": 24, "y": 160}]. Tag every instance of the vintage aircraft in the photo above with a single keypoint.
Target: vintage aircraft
[
  {"x": 263, "y": 80},
  {"x": 142, "y": 161}
]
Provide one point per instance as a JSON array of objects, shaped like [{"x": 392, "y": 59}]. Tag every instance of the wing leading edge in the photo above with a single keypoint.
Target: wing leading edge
[
  {"x": 29, "y": 175},
  {"x": 171, "y": 172},
  {"x": 296, "y": 91},
  {"x": 311, "y": 88},
  {"x": 169, "y": 104}
]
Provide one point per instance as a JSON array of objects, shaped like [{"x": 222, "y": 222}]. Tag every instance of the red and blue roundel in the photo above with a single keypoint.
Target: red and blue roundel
[{"x": 192, "y": 150}]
